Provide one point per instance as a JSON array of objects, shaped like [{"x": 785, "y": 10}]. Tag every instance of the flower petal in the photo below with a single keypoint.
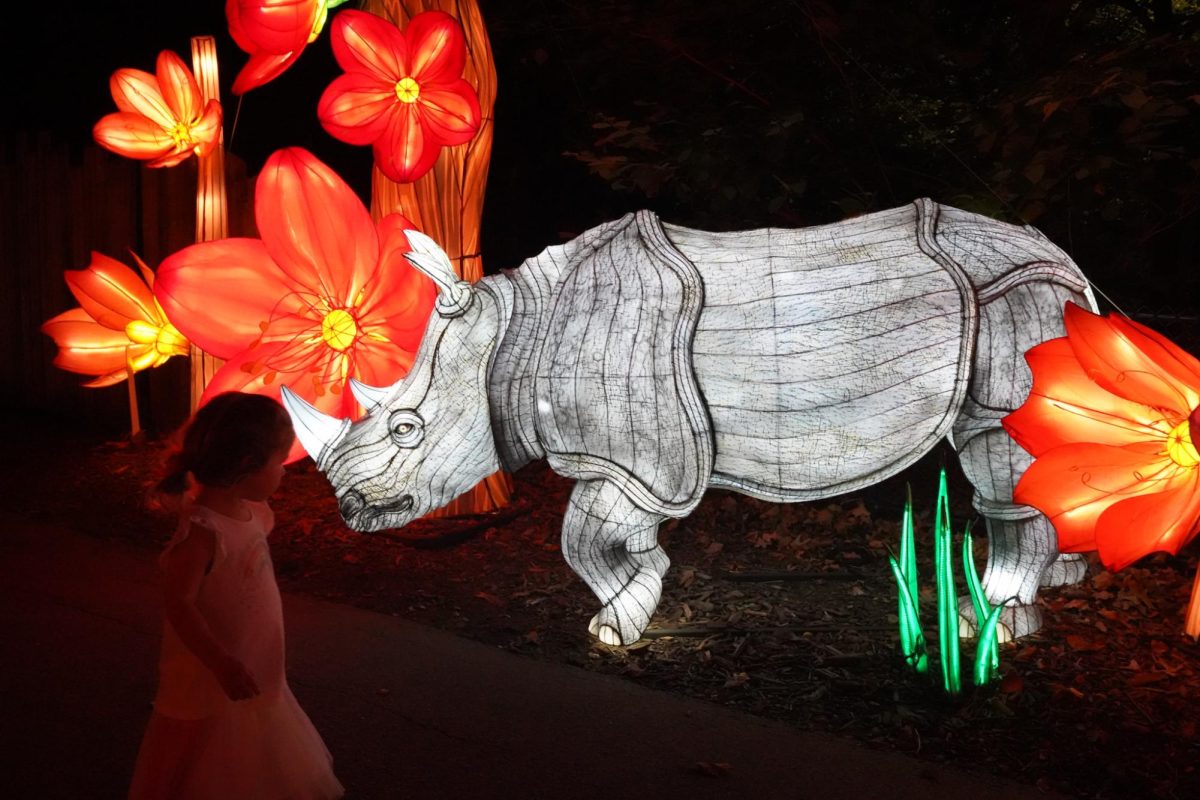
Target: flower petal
[
  {"x": 1066, "y": 406},
  {"x": 207, "y": 131},
  {"x": 136, "y": 91},
  {"x": 1182, "y": 366},
  {"x": 178, "y": 86},
  {"x": 112, "y": 293},
  {"x": 179, "y": 153},
  {"x": 1115, "y": 356},
  {"x": 1076, "y": 483},
  {"x": 132, "y": 136},
  {"x": 233, "y": 16},
  {"x": 382, "y": 363},
  {"x": 402, "y": 153},
  {"x": 108, "y": 379},
  {"x": 85, "y": 346},
  {"x": 364, "y": 42},
  {"x": 399, "y": 297},
  {"x": 218, "y": 294},
  {"x": 451, "y": 112},
  {"x": 438, "y": 47},
  {"x": 354, "y": 108},
  {"x": 314, "y": 226},
  {"x": 262, "y": 68},
  {"x": 274, "y": 26},
  {"x": 1165, "y": 520}
]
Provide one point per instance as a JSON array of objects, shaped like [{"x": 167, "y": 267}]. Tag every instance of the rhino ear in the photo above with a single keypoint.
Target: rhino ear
[{"x": 454, "y": 294}]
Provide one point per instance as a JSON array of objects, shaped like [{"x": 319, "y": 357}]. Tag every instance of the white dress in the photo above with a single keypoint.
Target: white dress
[{"x": 199, "y": 744}]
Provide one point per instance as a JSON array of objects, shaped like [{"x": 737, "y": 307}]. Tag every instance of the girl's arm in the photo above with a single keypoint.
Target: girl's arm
[{"x": 184, "y": 568}]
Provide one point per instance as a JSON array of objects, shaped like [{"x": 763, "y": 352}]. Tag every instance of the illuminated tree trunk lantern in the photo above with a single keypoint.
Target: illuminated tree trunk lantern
[
  {"x": 212, "y": 207},
  {"x": 447, "y": 202}
]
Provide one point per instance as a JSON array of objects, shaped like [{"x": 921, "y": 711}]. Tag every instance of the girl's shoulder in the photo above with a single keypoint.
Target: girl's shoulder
[{"x": 196, "y": 530}]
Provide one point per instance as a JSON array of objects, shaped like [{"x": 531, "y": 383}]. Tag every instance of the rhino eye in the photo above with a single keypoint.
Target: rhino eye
[{"x": 407, "y": 428}]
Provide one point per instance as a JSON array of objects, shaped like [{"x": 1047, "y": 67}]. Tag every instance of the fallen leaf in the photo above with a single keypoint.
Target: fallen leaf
[
  {"x": 1012, "y": 683},
  {"x": 737, "y": 679},
  {"x": 490, "y": 598},
  {"x": 1083, "y": 644},
  {"x": 713, "y": 769},
  {"x": 1146, "y": 678}
]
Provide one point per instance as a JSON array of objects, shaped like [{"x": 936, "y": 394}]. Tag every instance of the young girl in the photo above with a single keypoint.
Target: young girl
[{"x": 225, "y": 724}]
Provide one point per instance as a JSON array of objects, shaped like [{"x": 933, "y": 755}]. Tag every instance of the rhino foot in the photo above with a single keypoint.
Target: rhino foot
[
  {"x": 1016, "y": 620},
  {"x": 623, "y": 619},
  {"x": 605, "y": 632},
  {"x": 1067, "y": 569}
]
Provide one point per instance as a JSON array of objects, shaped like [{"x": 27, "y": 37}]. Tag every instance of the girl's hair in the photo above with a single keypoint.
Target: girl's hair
[{"x": 230, "y": 436}]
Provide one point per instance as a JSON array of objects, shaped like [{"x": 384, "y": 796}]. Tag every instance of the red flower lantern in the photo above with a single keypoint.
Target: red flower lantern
[
  {"x": 274, "y": 33},
  {"x": 324, "y": 296},
  {"x": 403, "y": 91}
]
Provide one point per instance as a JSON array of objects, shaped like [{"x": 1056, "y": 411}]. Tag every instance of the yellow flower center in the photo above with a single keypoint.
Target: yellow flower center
[
  {"x": 339, "y": 329},
  {"x": 182, "y": 134},
  {"x": 167, "y": 339},
  {"x": 1180, "y": 447},
  {"x": 408, "y": 90}
]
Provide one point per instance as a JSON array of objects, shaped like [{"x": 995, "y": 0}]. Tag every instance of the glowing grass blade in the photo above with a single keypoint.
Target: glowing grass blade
[
  {"x": 983, "y": 609},
  {"x": 908, "y": 552},
  {"x": 947, "y": 599},
  {"x": 987, "y": 660},
  {"x": 912, "y": 640}
]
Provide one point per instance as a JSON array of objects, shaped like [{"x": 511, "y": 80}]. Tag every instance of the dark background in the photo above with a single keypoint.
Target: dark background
[{"x": 1080, "y": 118}]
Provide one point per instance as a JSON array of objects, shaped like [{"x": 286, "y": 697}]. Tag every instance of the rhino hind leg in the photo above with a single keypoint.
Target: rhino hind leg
[
  {"x": 1067, "y": 569},
  {"x": 612, "y": 545},
  {"x": 1021, "y": 548},
  {"x": 1023, "y": 551}
]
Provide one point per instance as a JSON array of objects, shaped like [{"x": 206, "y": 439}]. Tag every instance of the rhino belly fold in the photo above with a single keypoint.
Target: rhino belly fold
[{"x": 829, "y": 358}]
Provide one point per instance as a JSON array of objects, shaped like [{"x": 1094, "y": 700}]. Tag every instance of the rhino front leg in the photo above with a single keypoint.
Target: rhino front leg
[{"x": 612, "y": 545}]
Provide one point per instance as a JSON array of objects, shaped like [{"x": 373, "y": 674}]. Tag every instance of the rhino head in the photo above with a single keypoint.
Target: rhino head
[{"x": 426, "y": 439}]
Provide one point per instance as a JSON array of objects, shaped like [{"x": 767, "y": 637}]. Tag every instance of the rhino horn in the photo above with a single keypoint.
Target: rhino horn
[
  {"x": 318, "y": 433},
  {"x": 370, "y": 397},
  {"x": 454, "y": 294}
]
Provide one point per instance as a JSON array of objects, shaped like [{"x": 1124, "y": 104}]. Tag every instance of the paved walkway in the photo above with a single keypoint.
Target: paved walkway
[{"x": 408, "y": 711}]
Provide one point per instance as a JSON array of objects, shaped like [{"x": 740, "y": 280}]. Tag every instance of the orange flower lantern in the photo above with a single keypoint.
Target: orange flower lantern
[
  {"x": 403, "y": 91},
  {"x": 1109, "y": 423},
  {"x": 1112, "y": 421},
  {"x": 119, "y": 328},
  {"x": 324, "y": 296},
  {"x": 162, "y": 118},
  {"x": 274, "y": 33}
]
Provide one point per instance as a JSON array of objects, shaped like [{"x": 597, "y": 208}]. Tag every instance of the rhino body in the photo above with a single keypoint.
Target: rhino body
[{"x": 649, "y": 362}]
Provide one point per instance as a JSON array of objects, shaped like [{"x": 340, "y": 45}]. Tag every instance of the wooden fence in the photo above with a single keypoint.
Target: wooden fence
[{"x": 57, "y": 205}]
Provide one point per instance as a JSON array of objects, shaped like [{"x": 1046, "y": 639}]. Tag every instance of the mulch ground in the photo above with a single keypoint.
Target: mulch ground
[{"x": 783, "y": 611}]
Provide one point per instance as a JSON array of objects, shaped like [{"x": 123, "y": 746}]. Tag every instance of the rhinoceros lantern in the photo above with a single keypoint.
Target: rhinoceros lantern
[{"x": 648, "y": 361}]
